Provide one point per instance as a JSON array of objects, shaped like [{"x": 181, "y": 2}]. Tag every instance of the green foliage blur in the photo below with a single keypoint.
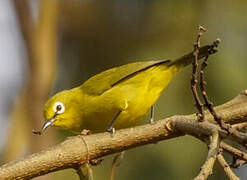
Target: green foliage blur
[{"x": 97, "y": 35}]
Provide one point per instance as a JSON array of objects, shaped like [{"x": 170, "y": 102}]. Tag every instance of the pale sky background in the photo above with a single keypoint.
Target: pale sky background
[{"x": 12, "y": 69}]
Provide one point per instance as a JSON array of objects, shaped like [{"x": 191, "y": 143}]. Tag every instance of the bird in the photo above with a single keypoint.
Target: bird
[{"x": 117, "y": 98}]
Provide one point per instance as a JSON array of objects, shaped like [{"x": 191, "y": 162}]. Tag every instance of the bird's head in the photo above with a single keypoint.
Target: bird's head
[{"x": 63, "y": 110}]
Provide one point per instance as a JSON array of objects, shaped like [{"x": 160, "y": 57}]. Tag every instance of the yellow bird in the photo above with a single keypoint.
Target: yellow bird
[{"x": 116, "y": 98}]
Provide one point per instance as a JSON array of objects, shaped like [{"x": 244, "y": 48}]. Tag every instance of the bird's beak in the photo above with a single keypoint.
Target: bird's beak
[{"x": 47, "y": 123}]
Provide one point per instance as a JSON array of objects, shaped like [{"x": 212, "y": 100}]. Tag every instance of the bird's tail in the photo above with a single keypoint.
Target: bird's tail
[{"x": 188, "y": 58}]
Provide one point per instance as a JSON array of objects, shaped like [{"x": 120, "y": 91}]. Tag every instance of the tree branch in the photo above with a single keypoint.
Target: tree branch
[
  {"x": 208, "y": 166},
  {"x": 226, "y": 167},
  {"x": 85, "y": 172},
  {"x": 73, "y": 152},
  {"x": 116, "y": 162},
  {"x": 240, "y": 154},
  {"x": 194, "y": 80},
  {"x": 239, "y": 157}
]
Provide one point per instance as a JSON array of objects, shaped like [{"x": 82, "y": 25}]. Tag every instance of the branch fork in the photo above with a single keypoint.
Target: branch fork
[{"x": 215, "y": 152}]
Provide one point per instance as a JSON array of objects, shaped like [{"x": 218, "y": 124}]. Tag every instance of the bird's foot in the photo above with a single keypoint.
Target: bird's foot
[{"x": 111, "y": 130}]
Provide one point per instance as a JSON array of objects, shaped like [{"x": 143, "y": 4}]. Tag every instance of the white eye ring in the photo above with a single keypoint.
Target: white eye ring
[{"x": 59, "y": 108}]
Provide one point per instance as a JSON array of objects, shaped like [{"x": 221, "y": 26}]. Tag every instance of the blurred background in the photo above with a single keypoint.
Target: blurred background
[{"x": 50, "y": 45}]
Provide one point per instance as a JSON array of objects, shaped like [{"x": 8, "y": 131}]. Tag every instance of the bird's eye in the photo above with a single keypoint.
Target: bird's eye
[{"x": 59, "y": 108}]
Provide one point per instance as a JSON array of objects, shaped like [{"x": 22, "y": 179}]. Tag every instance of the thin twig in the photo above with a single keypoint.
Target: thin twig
[
  {"x": 115, "y": 163},
  {"x": 207, "y": 168},
  {"x": 81, "y": 174},
  {"x": 208, "y": 103},
  {"x": 194, "y": 80},
  {"x": 239, "y": 126},
  {"x": 231, "y": 175},
  {"x": 85, "y": 172},
  {"x": 240, "y": 156},
  {"x": 90, "y": 171}
]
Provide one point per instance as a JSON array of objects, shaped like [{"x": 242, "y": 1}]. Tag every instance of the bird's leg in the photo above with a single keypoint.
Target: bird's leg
[
  {"x": 110, "y": 128},
  {"x": 151, "y": 121}
]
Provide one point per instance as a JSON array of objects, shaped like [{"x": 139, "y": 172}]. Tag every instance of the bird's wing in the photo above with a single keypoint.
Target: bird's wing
[{"x": 102, "y": 82}]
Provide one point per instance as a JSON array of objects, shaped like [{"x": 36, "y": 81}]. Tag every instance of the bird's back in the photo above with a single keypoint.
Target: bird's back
[{"x": 105, "y": 80}]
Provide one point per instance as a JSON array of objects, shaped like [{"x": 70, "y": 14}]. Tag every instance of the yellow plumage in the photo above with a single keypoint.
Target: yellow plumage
[
  {"x": 130, "y": 90},
  {"x": 133, "y": 96}
]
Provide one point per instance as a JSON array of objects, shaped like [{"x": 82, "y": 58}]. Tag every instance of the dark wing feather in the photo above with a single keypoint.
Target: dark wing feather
[{"x": 105, "y": 80}]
